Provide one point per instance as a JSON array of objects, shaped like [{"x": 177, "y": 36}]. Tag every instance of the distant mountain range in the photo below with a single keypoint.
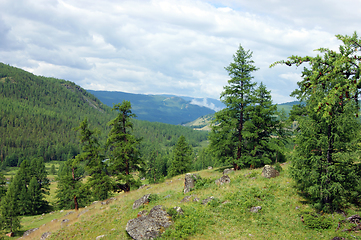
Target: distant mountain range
[
  {"x": 193, "y": 112},
  {"x": 162, "y": 108}
]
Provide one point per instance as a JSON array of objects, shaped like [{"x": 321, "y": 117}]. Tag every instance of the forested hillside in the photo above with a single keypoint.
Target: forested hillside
[
  {"x": 38, "y": 116},
  {"x": 156, "y": 108}
]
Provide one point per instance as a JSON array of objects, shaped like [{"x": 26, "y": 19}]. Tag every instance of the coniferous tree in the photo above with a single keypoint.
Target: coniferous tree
[
  {"x": 99, "y": 181},
  {"x": 53, "y": 170},
  {"x": 2, "y": 185},
  {"x": 71, "y": 192},
  {"x": 9, "y": 210},
  {"x": 182, "y": 158},
  {"x": 154, "y": 167},
  {"x": 324, "y": 165},
  {"x": 227, "y": 137},
  {"x": 36, "y": 202},
  {"x": 262, "y": 130},
  {"x": 125, "y": 155}
]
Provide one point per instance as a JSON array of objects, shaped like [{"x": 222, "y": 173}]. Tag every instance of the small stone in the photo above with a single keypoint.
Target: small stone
[
  {"x": 255, "y": 209},
  {"x": 45, "y": 235},
  {"x": 99, "y": 237},
  {"x": 68, "y": 213},
  {"x": 179, "y": 210},
  {"x": 224, "y": 179},
  {"x": 186, "y": 199},
  {"x": 82, "y": 212},
  {"x": 141, "y": 201},
  {"x": 297, "y": 207},
  {"x": 210, "y": 168},
  {"x": 207, "y": 200},
  {"x": 168, "y": 196},
  {"x": 196, "y": 199}
]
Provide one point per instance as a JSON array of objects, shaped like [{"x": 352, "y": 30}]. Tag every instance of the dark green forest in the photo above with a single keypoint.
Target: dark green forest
[{"x": 38, "y": 116}]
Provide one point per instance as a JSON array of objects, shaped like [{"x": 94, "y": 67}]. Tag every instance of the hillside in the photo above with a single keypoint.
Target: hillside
[
  {"x": 203, "y": 122},
  {"x": 156, "y": 108},
  {"x": 283, "y": 215},
  {"x": 38, "y": 116}
]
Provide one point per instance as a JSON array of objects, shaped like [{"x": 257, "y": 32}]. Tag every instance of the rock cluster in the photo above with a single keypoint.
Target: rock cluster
[
  {"x": 26, "y": 233},
  {"x": 45, "y": 235},
  {"x": 149, "y": 226},
  {"x": 269, "y": 172}
]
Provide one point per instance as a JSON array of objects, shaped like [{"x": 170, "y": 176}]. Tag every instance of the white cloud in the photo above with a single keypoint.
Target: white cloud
[{"x": 173, "y": 47}]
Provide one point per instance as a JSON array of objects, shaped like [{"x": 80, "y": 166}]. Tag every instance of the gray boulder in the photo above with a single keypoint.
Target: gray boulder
[
  {"x": 224, "y": 179},
  {"x": 189, "y": 181},
  {"x": 149, "y": 226},
  {"x": 269, "y": 172},
  {"x": 141, "y": 201}
]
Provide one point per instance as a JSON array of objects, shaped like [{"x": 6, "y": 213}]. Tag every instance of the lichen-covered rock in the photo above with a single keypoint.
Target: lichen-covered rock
[
  {"x": 269, "y": 172},
  {"x": 45, "y": 235},
  {"x": 149, "y": 226},
  {"x": 224, "y": 179},
  {"x": 227, "y": 171},
  {"x": 189, "y": 181},
  {"x": 26, "y": 233},
  {"x": 141, "y": 201}
]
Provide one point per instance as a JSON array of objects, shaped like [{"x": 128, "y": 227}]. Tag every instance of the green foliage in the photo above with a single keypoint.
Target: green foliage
[
  {"x": 243, "y": 133},
  {"x": 71, "y": 190},
  {"x": 278, "y": 167},
  {"x": 194, "y": 220},
  {"x": 2, "y": 185},
  {"x": 317, "y": 221},
  {"x": 182, "y": 160},
  {"x": 99, "y": 182},
  {"x": 324, "y": 163},
  {"x": 53, "y": 170},
  {"x": 9, "y": 210},
  {"x": 124, "y": 147},
  {"x": 202, "y": 183}
]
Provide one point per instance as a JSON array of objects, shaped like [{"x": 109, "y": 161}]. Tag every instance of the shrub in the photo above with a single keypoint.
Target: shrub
[{"x": 316, "y": 221}]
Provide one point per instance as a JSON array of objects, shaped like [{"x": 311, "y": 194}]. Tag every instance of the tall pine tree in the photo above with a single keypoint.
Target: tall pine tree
[{"x": 124, "y": 147}]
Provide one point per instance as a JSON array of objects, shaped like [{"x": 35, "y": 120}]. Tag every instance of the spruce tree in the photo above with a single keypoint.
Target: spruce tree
[
  {"x": 36, "y": 201},
  {"x": 71, "y": 192},
  {"x": 9, "y": 210},
  {"x": 124, "y": 147},
  {"x": 99, "y": 181},
  {"x": 324, "y": 165},
  {"x": 182, "y": 158},
  {"x": 263, "y": 131}
]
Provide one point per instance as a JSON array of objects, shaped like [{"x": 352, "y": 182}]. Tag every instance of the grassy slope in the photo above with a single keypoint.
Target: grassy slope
[{"x": 278, "y": 219}]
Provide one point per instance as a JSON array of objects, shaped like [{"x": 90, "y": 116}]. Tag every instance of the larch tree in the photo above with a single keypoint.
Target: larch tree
[
  {"x": 325, "y": 164},
  {"x": 182, "y": 158},
  {"x": 227, "y": 136},
  {"x": 99, "y": 181},
  {"x": 124, "y": 147}
]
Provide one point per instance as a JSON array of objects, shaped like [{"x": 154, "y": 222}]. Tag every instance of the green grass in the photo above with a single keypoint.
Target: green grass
[{"x": 226, "y": 217}]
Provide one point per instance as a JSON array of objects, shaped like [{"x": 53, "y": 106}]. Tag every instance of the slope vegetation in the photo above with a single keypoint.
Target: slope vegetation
[
  {"x": 38, "y": 116},
  {"x": 283, "y": 215}
]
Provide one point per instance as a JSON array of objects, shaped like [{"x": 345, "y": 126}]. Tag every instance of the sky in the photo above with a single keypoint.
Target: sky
[{"x": 169, "y": 47}]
